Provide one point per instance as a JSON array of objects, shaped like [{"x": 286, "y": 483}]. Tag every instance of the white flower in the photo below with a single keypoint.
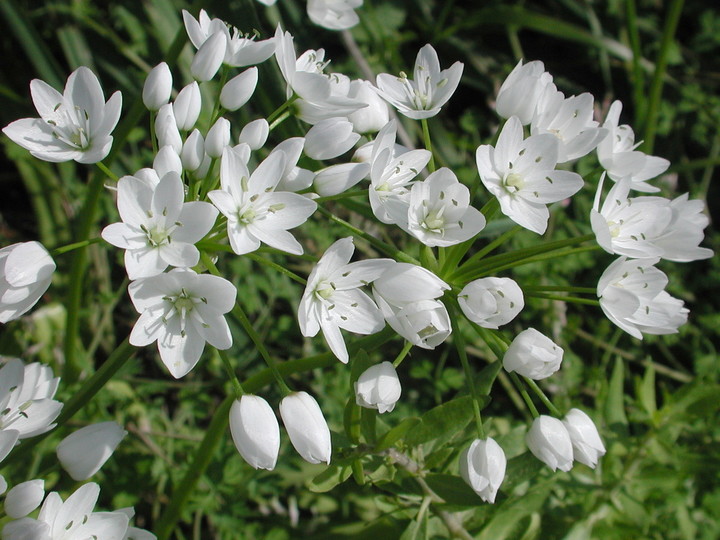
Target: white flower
[
  {"x": 588, "y": 448},
  {"x": 482, "y": 466},
  {"x": 378, "y": 387},
  {"x": 333, "y": 300},
  {"x": 632, "y": 296},
  {"x": 85, "y": 451},
  {"x": 550, "y": 442},
  {"x": 27, "y": 407},
  {"x": 157, "y": 87},
  {"x": 533, "y": 355},
  {"x": 209, "y": 57},
  {"x": 24, "y": 498},
  {"x": 255, "y": 212},
  {"x": 26, "y": 271},
  {"x": 181, "y": 310},
  {"x": 158, "y": 228},
  {"x": 330, "y": 138},
  {"x": 187, "y": 106},
  {"x": 74, "y": 125},
  {"x": 521, "y": 174},
  {"x": 407, "y": 296},
  {"x": 439, "y": 212},
  {"x": 491, "y": 302},
  {"x": 373, "y": 117},
  {"x": 306, "y": 426},
  {"x": 73, "y": 519},
  {"x": 166, "y": 129},
  {"x": 238, "y": 90},
  {"x": 430, "y": 89},
  {"x": 255, "y": 431},
  {"x": 680, "y": 239},
  {"x": 521, "y": 90},
  {"x": 391, "y": 174},
  {"x": 618, "y": 156},
  {"x": 334, "y": 14},
  {"x": 570, "y": 120}
]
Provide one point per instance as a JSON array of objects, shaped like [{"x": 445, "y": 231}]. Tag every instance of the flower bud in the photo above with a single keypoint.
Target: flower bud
[
  {"x": 424, "y": 323},
  {"x": 186, "y": 106},
  {"x": 167, "y": 160},
  {"x": 255, "y": 134},
  {"x": 533, "y": 355},
  {"x": 157, "y": 88},
  {"x": 26, "y": 270},
  {"x": 482, "y": 466},
  {"x": 255, "y": 431},
  {"x": 24, "y": 498},
  {"x": 3, "y": 484},
  {"x": 193, "y": 151},
  {"x": 491, "y": 302},
  {"x": 166, "y": 129},
  {"x": 586, "y": 442},
  {"x": 549, "y": 441},
  {"x": 84, "y": 451},
  {"x": 378, "y": 388},
  {"x": 372, "y": 118},
  {"x": 209, "y": 57},
  {"x": 520, "y": 92},
  {"x": 238, "y": 90},
  {"x": 306, "y": 426},
  {"x": 336, "y": 179},
  {"x": 330, "y": 138},
  {"x": 218, "y": 137}
]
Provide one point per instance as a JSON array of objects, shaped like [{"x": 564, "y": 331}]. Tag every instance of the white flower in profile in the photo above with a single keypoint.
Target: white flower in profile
[
  {"x": 632, "y": 296},
  {"x": 588, "y": 448},
  {"x": 391, "y": 174},
  {"x": 492, "y": 301},
  {"x": 333, "y": 300},
  {"x": 26, "y": 270},
  {"x": 628, "y": 227},
  {"x": 330, "y": 138},
  {"x": 373, "y": 117},
  {"x": 181, "y": 310},
  {"x": 306, "y": 426},
  {"x": 618, "y": 155},
  {"x": 521, "y": 91},
  {"x": 533, "y": 355},
  {"x": 27, "y": 407},
  {"x": 255, "y": 212},
  {"x": 158, "y": 229},
  {"x": 378, "y": 387},
  {"x": 74, "y": 125},
  {"x": 482, "y": 466},
  {"x": 549, "y": 441},
  {"x": 339, "y": 178},
  {"x": 73, "y": 519},
  {"x": 255, "y": 431},
  {"x": 334, "y": 14},
  {"x": 521, "y": 174},
  {"x": 680, "y": 239},
  {"x": 570, "y": 120},
  {"x": 85, "y": 451},
  {"x": 439, "y": 211},
  {"x": 423, "y": 96}
]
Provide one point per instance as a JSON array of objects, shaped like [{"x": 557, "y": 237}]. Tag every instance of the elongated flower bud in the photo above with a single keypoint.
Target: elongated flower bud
[
  {"x": 26, "y": 270},
  {"x": 330, "y": 138},
  {"x": 193, "y": 151},
  {"x": 157, "y": 88},
  {"x": 482, "y": 466},
  {"x": 255, "y": 431},
  {"x": 209, "y": 57},
  {"x": 186, "y": 106},
  {"x": 24, "y": 498},
  {"x": 238, "y": 90},
  {"x": 217, "y": 138},
  {"x": 166, "y": 129},
  {"x": 255, "y": 133},
  {"x": 306, "y": 426},
  {"x": 83, "y": 452}
]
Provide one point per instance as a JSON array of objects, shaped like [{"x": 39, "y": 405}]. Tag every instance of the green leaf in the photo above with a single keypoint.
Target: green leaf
[
  {"x": 453, "y": 490},
  {"x": 417, "y": 530},
  {"x": 614, "y": 404},
  {"x": 486, "y": 378},
  {"x": 395, "y": 434},
  {"x": 351, "y": 420},
  {"x": 329, "y": 478},
  {"x": 646, "y": 391},
  {"x": 520, "y": 469},
  {"x": 368, "y": 420},
  {"x": 449, "y": 417},
  {"x": 509, "y": 521}
]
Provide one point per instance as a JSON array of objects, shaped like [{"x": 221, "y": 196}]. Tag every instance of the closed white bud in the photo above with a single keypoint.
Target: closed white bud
[
  {"x": 533, "y": 355},
  {"x": 336, "y": 179},
  {"x": 204, "y": 167},
  {"x": 306, "y": 426},
  {"x": 372, "y": 118},
  {"x": 378, "y": 387},
  {"x": 588, "y": 448},
  {"x": 217, "y": 138},
  {"x": 166, "y": 129},
  {"x": 549, "y": 441},
  {"x": 193, "y": 151},
  {"x": 167, "y": 160},
  {"x": 482, "y": 466},
  {"x": 209, "y": 57},
  {"x": 24, "y": 498},
  {"x": 491, "y": 302},
  {"x": 157, "y": 87},
  {"x": 255, "y": 431},
  {"x": 26, "y": 270},
  {"x": 520, "y": 92},
  {"x": 84, "y": 451},
  {"x": 330, "y": 138},
  {"x": 255, "y": 133},
  {"x": 187, "y": 106},
  {"x": 238, "y": 90}
]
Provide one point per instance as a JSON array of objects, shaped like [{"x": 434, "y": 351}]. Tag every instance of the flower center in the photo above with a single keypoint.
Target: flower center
[
  {"x": 71, "y": 126},
  {"x": 434, "y": 221},
  {"x": 514, "y": 182}
]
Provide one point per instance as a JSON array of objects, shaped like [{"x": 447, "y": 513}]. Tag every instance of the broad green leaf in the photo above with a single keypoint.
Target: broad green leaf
[
  {"x": 453, "y": 490},
  {"x": 520, "y": 469},
  {"x": 395, "y": 434},
  {"x": 329, "y": 478},
  {"x": 417, "y": 530},
  {"x": 351, "y": 420},
  {"x": 486, "y": 378},
  {"x": 368, "y": 421},
  {"x": 646, "y": 391},
  {"x": 449, "y": 417},
  {"x": 509, "y": 522}
]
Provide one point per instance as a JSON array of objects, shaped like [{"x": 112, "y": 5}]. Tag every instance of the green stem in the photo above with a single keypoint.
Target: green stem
[
  {"x": 276, "y": 266},
  {"x": 562, "y": 288},
  {"x": 499, "y": 241},
  {"x": 77, "y": 245},
  {"x": 571, "y": 299},
  {"x": 339, "y": 196},
  {"x": 279, "y": 120},
  {"x": 538, "y": 391},
  {"x": 524, "y": 393},
  {"x": 405, "y": 350},
  {"x": 638, "y": 77},
  {"x": 105, "y": 169},
  {"x": 281, "y": 109},
  {"x": 231, "y": 372},
  {"x": 153, "y": 138},
  {"x": 428, "y": 144},
  {"x": 490, "y": 208}
]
